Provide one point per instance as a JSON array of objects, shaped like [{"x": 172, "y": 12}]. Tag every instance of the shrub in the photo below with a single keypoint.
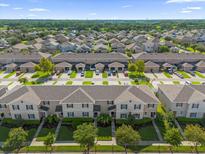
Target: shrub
[
  {"x": 81, "y": 120},
  {"x": 136, "y": 122},
  {"x": 104, "y": 120},
  {"x": 51, "y": 121}
]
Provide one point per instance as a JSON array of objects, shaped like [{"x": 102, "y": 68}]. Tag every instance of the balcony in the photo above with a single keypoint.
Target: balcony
[
  {"x": 96, "y": 108},
  {"x": 113, "y": 107}
]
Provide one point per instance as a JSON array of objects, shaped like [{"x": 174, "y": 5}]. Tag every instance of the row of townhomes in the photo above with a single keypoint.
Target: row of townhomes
[
  {"x": 154, "y": 62},
  {"x": 35, "y": 102}
]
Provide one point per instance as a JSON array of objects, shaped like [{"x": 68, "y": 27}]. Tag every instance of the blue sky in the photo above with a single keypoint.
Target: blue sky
[{"x": 102, "y": 9}]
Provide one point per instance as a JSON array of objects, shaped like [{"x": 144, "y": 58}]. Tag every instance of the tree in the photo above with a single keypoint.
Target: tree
[
  {"x": 173, "y": 136},
  {"x": 132, "y": 67},
  {"x": 85, "y": 135},
  {"x": 104, "y": 119},
  {"x": 17, "y": 137},
  {"x": 50, "y": 139},
  {"x": 126, "y": 135},
  {"x": 196, "y": 134},
  {"x": 163, "y": 49},
  {"x": 140, "y": 66},
  {"x": 45, "y": 65}
]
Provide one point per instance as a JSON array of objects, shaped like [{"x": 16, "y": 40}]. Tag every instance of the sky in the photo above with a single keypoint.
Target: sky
[{"x": 102, "y": 9}]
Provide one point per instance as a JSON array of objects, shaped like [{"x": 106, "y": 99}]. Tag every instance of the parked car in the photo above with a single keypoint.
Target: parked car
[
  {"x": 58, "y": 73},
  {"x": 126, "y": 73},
  {"x": 179, "y": 75},
  {"x": 82, "y": 74},
  {"x": 69, "y": 72},
  {"x": 114, "y": 73},
  {"x": 187, "y": 83},
  {"x": 109, "y": 73},
  {"x": 97, "y": 72}
]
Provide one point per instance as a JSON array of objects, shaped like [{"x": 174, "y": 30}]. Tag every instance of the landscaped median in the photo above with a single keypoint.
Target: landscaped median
[
  {"x": 167, "y": 75},
  {"x": 113, "y": 148},
  {"x": 184, "y": 74},
  {"x": 10, "y": 75}
]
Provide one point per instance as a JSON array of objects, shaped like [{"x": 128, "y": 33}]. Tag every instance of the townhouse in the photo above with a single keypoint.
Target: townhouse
[
  {"x": 183, "y": 100},
  {"x": 184, "y": 61},
  {"x": 35, "y": 102},
  {"x": 82, "y": 61}
]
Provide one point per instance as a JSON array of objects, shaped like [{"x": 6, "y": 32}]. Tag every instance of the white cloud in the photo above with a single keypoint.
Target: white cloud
[
  {"x": 193, "y": 8},
  {"x": 126, "y": 6},
  {"x": 92, "y": 14},
  {"x": 4, "y": 5},
  {"x": 18, "y": 8},
  {"x": 186, "y": 11},
  {"x": 184, "y": 1},
  {"x": 32, "y": 15},
  {"x": 38, "y": 10}
]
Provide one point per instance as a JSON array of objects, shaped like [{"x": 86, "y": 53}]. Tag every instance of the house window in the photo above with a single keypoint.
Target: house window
[
  {"x": 124, "y": 106},
  {"x": 150, "y": 105},
  {"x": 31, "y": 116},
  {"x": 69, "y": 105},
  {"x": 46, "y": 103},
  {"x": 123, "y": 116},
  {"x": 110, "y": 102},
  {"x": 193, "y": 115},
  {"x": 70, "y": 114},
  {"x": 15, "y": 107},
  {"x": 17, "y": 116},
  {"x": 85, "y": 114},
  {"x": 195, "y": 106},
  {"x": 137, "y": 106},
  {"x": 137, "y": 116},
  {"x": 2, "y": 106},
  {"x": 179, "y": 104},
  {"x": 85, "y": 105},
  {"x": 29, "y": 107}
]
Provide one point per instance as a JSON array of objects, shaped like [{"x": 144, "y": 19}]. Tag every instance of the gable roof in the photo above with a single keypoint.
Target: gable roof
[
  {"x": 78, "y": 96},
  {"x": 151, "y": 64},
  {"x": 29, "y": 64}
]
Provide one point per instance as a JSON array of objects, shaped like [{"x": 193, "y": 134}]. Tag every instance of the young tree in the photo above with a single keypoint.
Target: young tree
[
  {"x": 85, "y": 136},
  {"x": 104, "y": 119},
  {"x": 196, "y": 134},
  {"x": 140, "y": 66},
  {"x": 173, "y": 136},
  {"x": 126, "y": 135},
  {"x": 163, "y": 49},
  {"x": 132, "y": 67},
  {"x": 45, "y": 65},
  {"x": 50, "y": 139},
  {"x": 17, "y": 137}
]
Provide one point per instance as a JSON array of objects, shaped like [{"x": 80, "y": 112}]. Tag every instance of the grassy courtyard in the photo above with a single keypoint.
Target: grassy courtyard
[
  {"x": 87, "y": 83},
  {"x": 184, "y": 74},
  {"x": 44, "y": 132},
  {"x": 10, "y": 75},
  {"x": 4, "y": 133},
  {"x": 104, "y": 134},
  {"x": 65, "y": 133},
  {"x": 167, "y": 75},
  {"x": 73, "y": 75},
  {"x": 88, "y": 74},
  {"x": 148, "y": 133}
]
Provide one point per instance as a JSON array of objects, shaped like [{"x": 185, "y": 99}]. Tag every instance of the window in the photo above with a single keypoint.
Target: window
[
  {"x": 137, "y": 116},
  {"x": 17, "y": 116},
  {"x": 29, "y": 107},
  {"x": 195, "y": 106},
  {"x": 150, "y": 105},
  {"x": 69, "y": 105},
  {"x": 15, "y": 107},
  {"x": 85, "y": 114},
  {"x": 70, "y": 114},
  {"x": 31, "y": 116},
  {"x": 124, "y": 106},
  {"x": 193, "y": 115},
  {"x": 137, "y": 106},
  {"x": 110, "y": 102},
  {"x": 85, "y": 105},
  {"x": 46, "y": 103},
  {"x": 123, "y": 116},
  {"x": 179, "y": 104},
  {"x": 2, "y": 106}
]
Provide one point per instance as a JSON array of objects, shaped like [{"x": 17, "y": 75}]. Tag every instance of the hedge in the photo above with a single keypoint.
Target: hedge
[
  {"x": 137, "y": 122},
  {"x": 188, "y": 120},
  {"x": 77, "y": 120},
  {"x": 11, "y": 123}
]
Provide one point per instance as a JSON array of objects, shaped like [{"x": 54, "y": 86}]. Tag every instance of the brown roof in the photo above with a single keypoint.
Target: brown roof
[
  {"x": 63, "y": 64},
  {"x": 116, "y": 64},
  {"x": 29, "y": 64},
  {"x": 151, "y": 64}
]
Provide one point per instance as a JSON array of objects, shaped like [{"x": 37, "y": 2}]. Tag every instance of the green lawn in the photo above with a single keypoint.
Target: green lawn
[
  {"x": 65, "y": 133},
  {"x": 199, "y": 74},
  {"x": 167, "y": 75},
  {"x": 184, "y": 74},
  {"x": 10, "y": 75},
  {"x": 195, "y": 82},
  {"x": 4, "y": 132},
  {"x": 148, "y": 133},
  {"x": 105, "y": 83},
  {"x": 104, "y": 133},
  {"x": 40, "y": 74},
  {"x": 73, "y": 74},
  {"x": 88, "y": 74},
  {"x": 104, "y": 75},
  {"x": 1, "y": 71},
  {"x": 176, "y": 82},
  {"x": 87, "y": 83},
  {"x": 44, "y": 132},
  {"x": 69, "y": 82}
]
